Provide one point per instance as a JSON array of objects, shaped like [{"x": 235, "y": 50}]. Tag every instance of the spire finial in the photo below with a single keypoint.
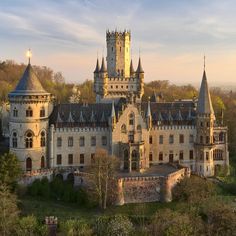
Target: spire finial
[
  {"x": 204, "y": 62},
  {"x": 29, "y": 55}
]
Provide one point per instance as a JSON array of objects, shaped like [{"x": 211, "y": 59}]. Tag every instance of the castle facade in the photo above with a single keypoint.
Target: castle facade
[{"x": 142, "y": 134}]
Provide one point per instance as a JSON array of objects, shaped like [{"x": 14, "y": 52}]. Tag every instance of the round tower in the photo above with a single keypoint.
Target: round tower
[{"x": 30, "y": 107}]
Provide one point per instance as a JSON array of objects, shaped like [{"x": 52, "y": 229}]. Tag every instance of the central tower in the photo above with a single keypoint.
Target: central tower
[{"x": 118, "y": 53}]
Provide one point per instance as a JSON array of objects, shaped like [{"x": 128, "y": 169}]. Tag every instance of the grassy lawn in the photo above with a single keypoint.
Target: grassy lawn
[{"x": 42, "y": 208}]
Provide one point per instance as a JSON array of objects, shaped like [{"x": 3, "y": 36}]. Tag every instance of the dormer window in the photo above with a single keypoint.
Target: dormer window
[
  {"x": 42, "y": 112},
  {"x": 15, "y": 112},
  {"x": 29, "y": 112}
]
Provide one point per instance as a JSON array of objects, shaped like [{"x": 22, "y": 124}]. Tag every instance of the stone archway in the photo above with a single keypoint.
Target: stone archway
[
  {"x": 71, "y": 178},
  {"x": 59, "y": 176}
]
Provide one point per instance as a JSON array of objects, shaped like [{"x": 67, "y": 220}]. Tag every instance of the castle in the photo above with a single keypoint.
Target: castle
[{"x": 142, "y": 134}]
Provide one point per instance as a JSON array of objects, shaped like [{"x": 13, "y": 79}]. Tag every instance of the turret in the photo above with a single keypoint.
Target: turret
[
  {"x": 204, "y": 124},
  {"x": 113, "y": 116},
  {"x": 132, "y": 72},
  {"x": 96, "y": 77},
  {"x": 30, "y": 108},
  {"x": 149, "y": 116},
  {"x": 140, "y": 76}
]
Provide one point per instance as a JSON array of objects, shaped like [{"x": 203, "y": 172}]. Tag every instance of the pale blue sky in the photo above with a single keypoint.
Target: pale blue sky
[{"x": 173, "y": 36}]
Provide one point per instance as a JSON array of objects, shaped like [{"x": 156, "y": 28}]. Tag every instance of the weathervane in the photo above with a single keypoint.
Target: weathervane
[{"x": 29, "y": 55}]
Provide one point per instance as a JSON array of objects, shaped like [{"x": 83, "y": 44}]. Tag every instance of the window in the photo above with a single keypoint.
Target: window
[
  {"x": 14, "y": 140},
  {"x": 70, "y": 141},
  {"x": 93, "y": 141},
  {"x": 28, "y": 164},
  {"x": 207, "y": 140},
  {"x": 221, "y": 137},
  {"x": 29, "y": 112},
  {"x": 150, "y": 156},
  {"x": 59, "y": 159},
  {"x": 191, "y": 154},
  {"x": 123, "y": 128},
  {"x": 42, "y": 112},
  {"x": 171, "y": 157},
  {"x": 104, "y": 140},
  {"x": 150, "y": 139},
  {"x": 171, "y": 139},
  {"x": 70, "y": 159},
  {"x": 131, "y": 119},
  {"x": 161, "y": 139},
  {"x": 42, "y": 162},
  {"x": 181, "y": 138},
  {"x": 217, "y": 155},
  {"x": 207, "y": 156},
  {"x": 191, "y": 138},
  {"x": 29, "y": 140},
  {"x": 81, "y": 142},
  {"x": 201, "y": 124},
  {"x": 15, "y": 112},
  {"x": 201, "y": 139},
  {"x": 81, "y": 159},
  {"x": 139, "y": 129},
  {"x": 181, "y": 155},
  {"x": 160, "y": 156},
  {"x": 59, "y": 142},
  {"x": 43, "y": 139},
  {"x": 112, "y": 49},
  {"x": 131, "y": 138},
  {"x": 93, "y": 158}
]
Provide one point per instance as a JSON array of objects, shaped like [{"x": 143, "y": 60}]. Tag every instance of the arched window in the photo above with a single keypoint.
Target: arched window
[
  {"x": 123, "y": 128},
  {"x": 42, "y": 112},
  {"x": 29, "y": 112},
  {"x": 139, "y": 128},
  {"x": 15, "y": 112},
  {"x": 42, "y": 162},
  {"x": 28, "y": 164},
  {"x": 14, "y": 140},
  {"x": 131, "y": 119},
  {"x": 134, "y": 155},
  {"x": 29, "y": 140},
  {"x": 43, "y": 139}
]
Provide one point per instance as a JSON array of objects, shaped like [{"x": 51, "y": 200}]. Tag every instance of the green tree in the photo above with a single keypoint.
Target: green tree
[
  {"x": 30, "y": 226},
  {"x": 10, "y": 169},
  {"x": 8, "y": 211},
  {"x": 76, "y": 228}
]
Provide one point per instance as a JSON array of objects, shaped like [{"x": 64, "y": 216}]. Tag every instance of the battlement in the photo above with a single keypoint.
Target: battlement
[{"x": 114, "y": 34}]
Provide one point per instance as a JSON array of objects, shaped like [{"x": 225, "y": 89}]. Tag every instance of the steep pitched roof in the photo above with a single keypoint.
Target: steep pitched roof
[
  {"x": 131, "y": 68},
  {"x": 103, "y": 66},
  {"x": 97, "y": 67},
  {"x": 204, "y": 105},
  {"x": 140, "y": 68},
  {"x": 29, "y": 83}
]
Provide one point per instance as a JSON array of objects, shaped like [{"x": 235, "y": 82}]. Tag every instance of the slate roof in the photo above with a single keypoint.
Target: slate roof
[
  {"x": 178, "y": 112},
  {"x": 140, "y": 68},
  {"x": 96, "y": 114},
  {"x": 29, "y": 84},
  {"x": 204, "y": 100}
]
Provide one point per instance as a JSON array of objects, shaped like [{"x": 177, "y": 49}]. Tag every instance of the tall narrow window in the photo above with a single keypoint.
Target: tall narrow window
[
  {"x": 171, "y": 139},
  {"x": 160, "y": 156},
  {"x": 150, "y": 156},
  {"x": 29, "y": 112},
  {"x": 15, "y": 112},
  {"x": 81, "y": 142},
  {"x": 29, "y": 140},
  {"x": 131, "y": 119},
  {"x": 70, "y": 159},
  {"x": 181, "y": 138},
  {"x": 14, "y": 140},
  {"x": 59, "y": 142},
  {"x": 43, "y": 139},
  {"x": 59, "y": 159},
  {"x": 191, "y": 154},
  {"x": 161, "y": 139},
  {"x": 42, "y": 162},
  {"x": 70, "y": 141},
  {"x": 93, "y": 141},
  {"x": 150, "y": 139},
  {"x": 181, "y": 155},
  {"x": 42, "y": 112},
  {"x": 81, "y": 159},
  {"x": 28, "y": 164}
]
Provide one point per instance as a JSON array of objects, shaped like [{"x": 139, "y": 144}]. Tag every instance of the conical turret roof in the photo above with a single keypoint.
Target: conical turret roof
[
  {"x": 103, "y": 66},
  {"x": 140, "y": 68},
  {"x": 97, "y": 67},
  {"x": 131, "y": 68},
  {"x": 29, "y": 83},
  {"x": 204, "y": 105}
]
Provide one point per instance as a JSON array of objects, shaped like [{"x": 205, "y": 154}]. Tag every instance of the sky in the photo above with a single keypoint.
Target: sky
[{"x": 172, "y": 36}]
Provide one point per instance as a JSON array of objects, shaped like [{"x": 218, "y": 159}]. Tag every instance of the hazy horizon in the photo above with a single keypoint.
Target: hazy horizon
[{"x": 173, "y": 37}]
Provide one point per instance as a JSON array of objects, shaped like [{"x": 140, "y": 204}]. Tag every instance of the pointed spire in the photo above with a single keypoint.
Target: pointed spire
[
  {"x": 103, "y": 117},
  {"x": 113, "y": 113},
  {"x": 70, "y": 118},
  {"x": 179, "y": 116},
  {"x": 204, "y": 105},
  {"x": 139, "y": 69},
  {"x": 170, "y": 118},
  {"x": 103, "y": 67},
  {"x": 148, "y": 109},
  {"x": 97, "y": 67},
  {"x": 131, "y": 68},
  {"x": 160, "y": 118},
  {"x": 189, "y": 114},
  {"x": 29, "y": 55},
  {"x": 59, "y": 119},
  {"x": 92, "y": 119},
  {"x": 81, "y": 117}
]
